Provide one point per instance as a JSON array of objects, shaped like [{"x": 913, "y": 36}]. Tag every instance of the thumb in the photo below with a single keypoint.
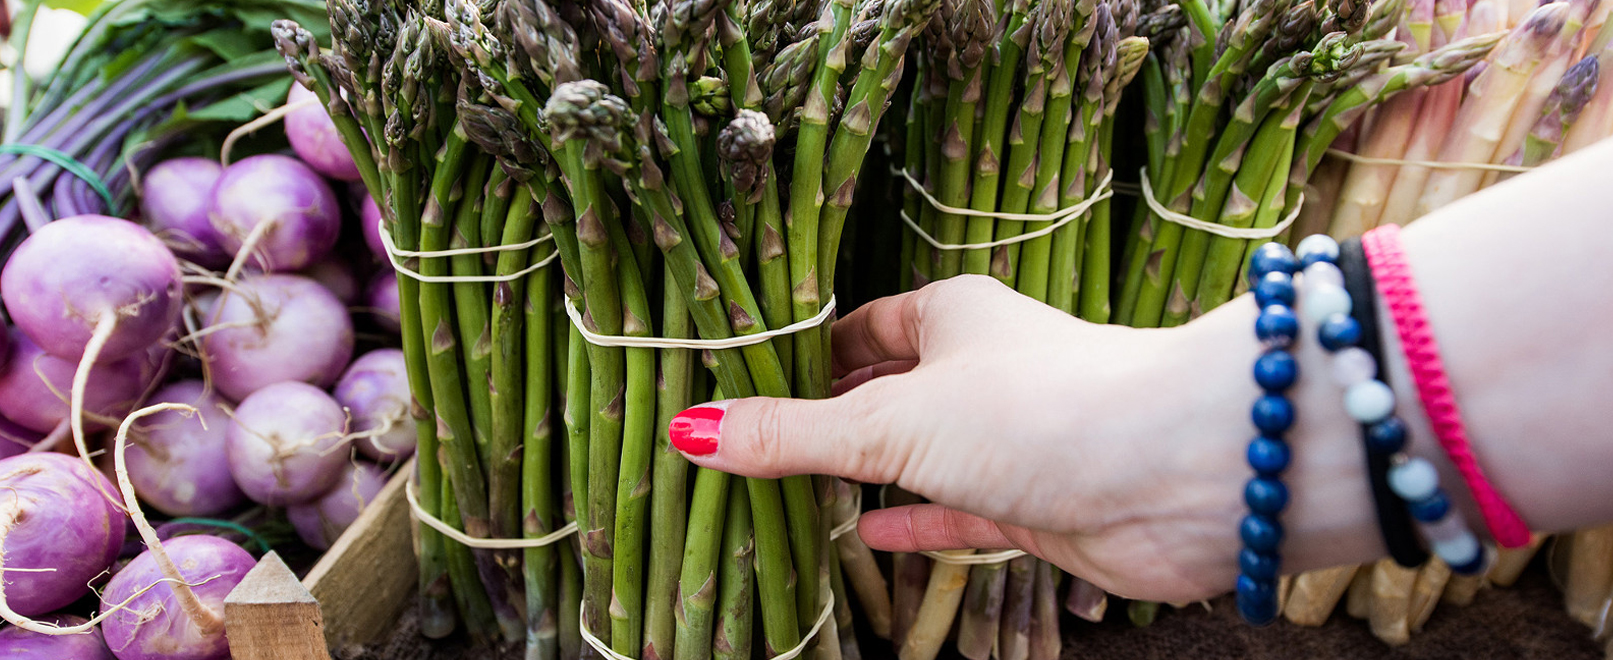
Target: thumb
[{"x": 765, "y": 437}]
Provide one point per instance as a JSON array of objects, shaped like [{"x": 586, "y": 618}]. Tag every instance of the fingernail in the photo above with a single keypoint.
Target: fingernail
[{"x": 695, "y": 431}]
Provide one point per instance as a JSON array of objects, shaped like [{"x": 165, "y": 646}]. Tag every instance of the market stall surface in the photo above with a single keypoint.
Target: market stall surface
[{"x": 1524, "y": 621}]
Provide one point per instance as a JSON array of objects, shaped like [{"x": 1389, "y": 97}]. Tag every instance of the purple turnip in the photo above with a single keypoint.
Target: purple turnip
[
  {"x": 274, "y": 213},
  {"x": 34, "y": 386},
  {"x": 333, "y": 273},
  {"x": 375, "y": 391},
  {"x": 321, "y": 521},
  {"x": 120, "y": 294},
  {"x": 287, "y": 443},
  {"x": 14, "y": 439},
  {"x": 173, "y": 202},
  {"x": 179, "y": 466},
  {"x": 382, "y": 299},
  {"x": 370, "y": 220},
  {"x": 313, "y": 136},
  {"x": 58, "y": 531},
  {"x": 77, "y": 274},
  {"x": 274, "y": 328},
  {"x": 20, "y": 644},
  {"x": 173, "y": 621}
]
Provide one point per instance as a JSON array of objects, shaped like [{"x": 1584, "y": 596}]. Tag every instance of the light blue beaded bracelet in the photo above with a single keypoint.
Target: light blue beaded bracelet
[{"x": 1371, "y": 402}]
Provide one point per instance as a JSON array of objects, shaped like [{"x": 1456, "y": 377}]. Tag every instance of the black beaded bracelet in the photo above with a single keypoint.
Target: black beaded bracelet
[{"x": 1394, "y": 521}]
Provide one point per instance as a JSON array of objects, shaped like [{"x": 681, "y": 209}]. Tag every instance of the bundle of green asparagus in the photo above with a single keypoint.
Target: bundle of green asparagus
[
  {"x": 1240, "y": 122},
  {"x": 1006, "y": 153},
  {"x": 693, "y": 162}
]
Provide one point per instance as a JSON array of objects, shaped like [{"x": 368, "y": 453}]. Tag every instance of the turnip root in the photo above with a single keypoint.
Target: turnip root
[
  {"x": 34, "y": 386},
  {"x": 383, "y": 301},
  {"x": 173, "y": 202},
  {"x": 159, "y": 624},
  {"x": 313, "y": 136},
  {"x": 333, "y": 273},
  {"x": 19, "y": 644},
  {"x": 59, "y": 531},
  {"x": 274, "y": 213},
  {"x": 286, "y": 444},
  {"x": 156, "y": 608},
  {"x": 179, "y": 466},
  {"x": 274, "y": 328},
  {"x": 375, "y": 391},
  {"x": 321, "y": 521}
]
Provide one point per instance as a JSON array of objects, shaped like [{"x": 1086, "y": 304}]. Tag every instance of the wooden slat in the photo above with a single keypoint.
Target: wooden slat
[
  {"x": 364, "y": 580},
  {"x": 271, "y": 616}
]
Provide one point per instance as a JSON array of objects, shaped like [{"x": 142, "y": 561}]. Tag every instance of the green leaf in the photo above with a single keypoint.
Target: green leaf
[
  {"x": 84, "y": 7},
  {"x": 228, "y": 43},
  {"x": 245, "y": 106}
]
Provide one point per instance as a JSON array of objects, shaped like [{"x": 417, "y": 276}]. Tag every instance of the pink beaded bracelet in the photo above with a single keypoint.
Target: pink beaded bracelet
[{"x": 1398, "y": 289}]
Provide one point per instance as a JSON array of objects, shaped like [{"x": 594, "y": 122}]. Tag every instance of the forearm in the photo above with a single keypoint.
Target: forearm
[{"x": 1519, "y": 293}]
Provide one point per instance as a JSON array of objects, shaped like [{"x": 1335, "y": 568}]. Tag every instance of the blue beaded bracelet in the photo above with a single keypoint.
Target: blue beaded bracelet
[
  {"x": 1271, "y": 277},
  {"x": 1371, "y": 402}
]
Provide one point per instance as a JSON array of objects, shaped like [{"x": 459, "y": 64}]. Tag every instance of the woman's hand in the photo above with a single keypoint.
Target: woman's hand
[{"x": 1026, "y": 427}]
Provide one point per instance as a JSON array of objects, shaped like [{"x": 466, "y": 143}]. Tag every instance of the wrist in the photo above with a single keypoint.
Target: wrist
[{"x": 1330, "y": 519}]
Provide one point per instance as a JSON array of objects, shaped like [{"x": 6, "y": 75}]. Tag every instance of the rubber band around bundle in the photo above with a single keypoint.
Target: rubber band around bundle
[
  {"x": 974, "y": 560},
  {"x": 73, "y": 166},
  {"x": 1430, "y": 164},
  {"x": 739, "y": 341},
  {"x": 473, "y": 542},
  {"x": 850, "y": 525},
  {"x": 1059, "y": 218},
  {"x": 794, "y": 652},
  {"x": 1247, "y": 233},
  {"x": 392, "y": 254}
]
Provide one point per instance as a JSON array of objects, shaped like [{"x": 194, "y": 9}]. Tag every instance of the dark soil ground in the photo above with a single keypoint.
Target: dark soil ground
[{"x": 1525, "y": 621}]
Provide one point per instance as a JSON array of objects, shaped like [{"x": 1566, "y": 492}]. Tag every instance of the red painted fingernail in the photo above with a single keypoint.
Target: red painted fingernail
[{"x": 695, "y": 431}]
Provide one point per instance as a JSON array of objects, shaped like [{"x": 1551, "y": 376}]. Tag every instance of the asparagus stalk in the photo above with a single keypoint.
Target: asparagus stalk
[
  {"x": 1273, "y": 147},
  {"x": 936, "y": 613},
  {"x": 1490, "y": 100},
  {"x": 454, "y": 429},
  {"x": 970, "y": 26},
  {"x": 1049, "y": 23},
  {"x": 1019, "y": 594},
  {"x": 1045, "y": 642},
  {"x": 1001, "y": 74},
  {"x": 638, "y": 446},
  {"x": 1150, "y": 271},
  {"x": 1432, "y": 68},
  {"x": 1079, "y": 160},
  {"x": 686, "y": 24},
  {"x": 1210, "y": 194},
  {"x": 1086, "y": 600},
  {"x": 1541, "y": 87},
  {"x": 862, "y": 571},
  {"x": 669, "y": 495},
  {"x": 602, "y": 314},
  {"x": 1426, "y": 592},
  {"x": 1094, "y": 300},
  {"x": 736, "y": 588},
  {"x": 1562, "y": 109},
  {"x": 1315, "y": 594},
  {"x": 473, "y": 319},
  {"x": 1391, "y": 605},
  {"x": 1031, "y": 272}
]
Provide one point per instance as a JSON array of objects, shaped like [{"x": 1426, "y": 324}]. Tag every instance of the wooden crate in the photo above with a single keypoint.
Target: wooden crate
[{"x": 350, "y": 597}]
